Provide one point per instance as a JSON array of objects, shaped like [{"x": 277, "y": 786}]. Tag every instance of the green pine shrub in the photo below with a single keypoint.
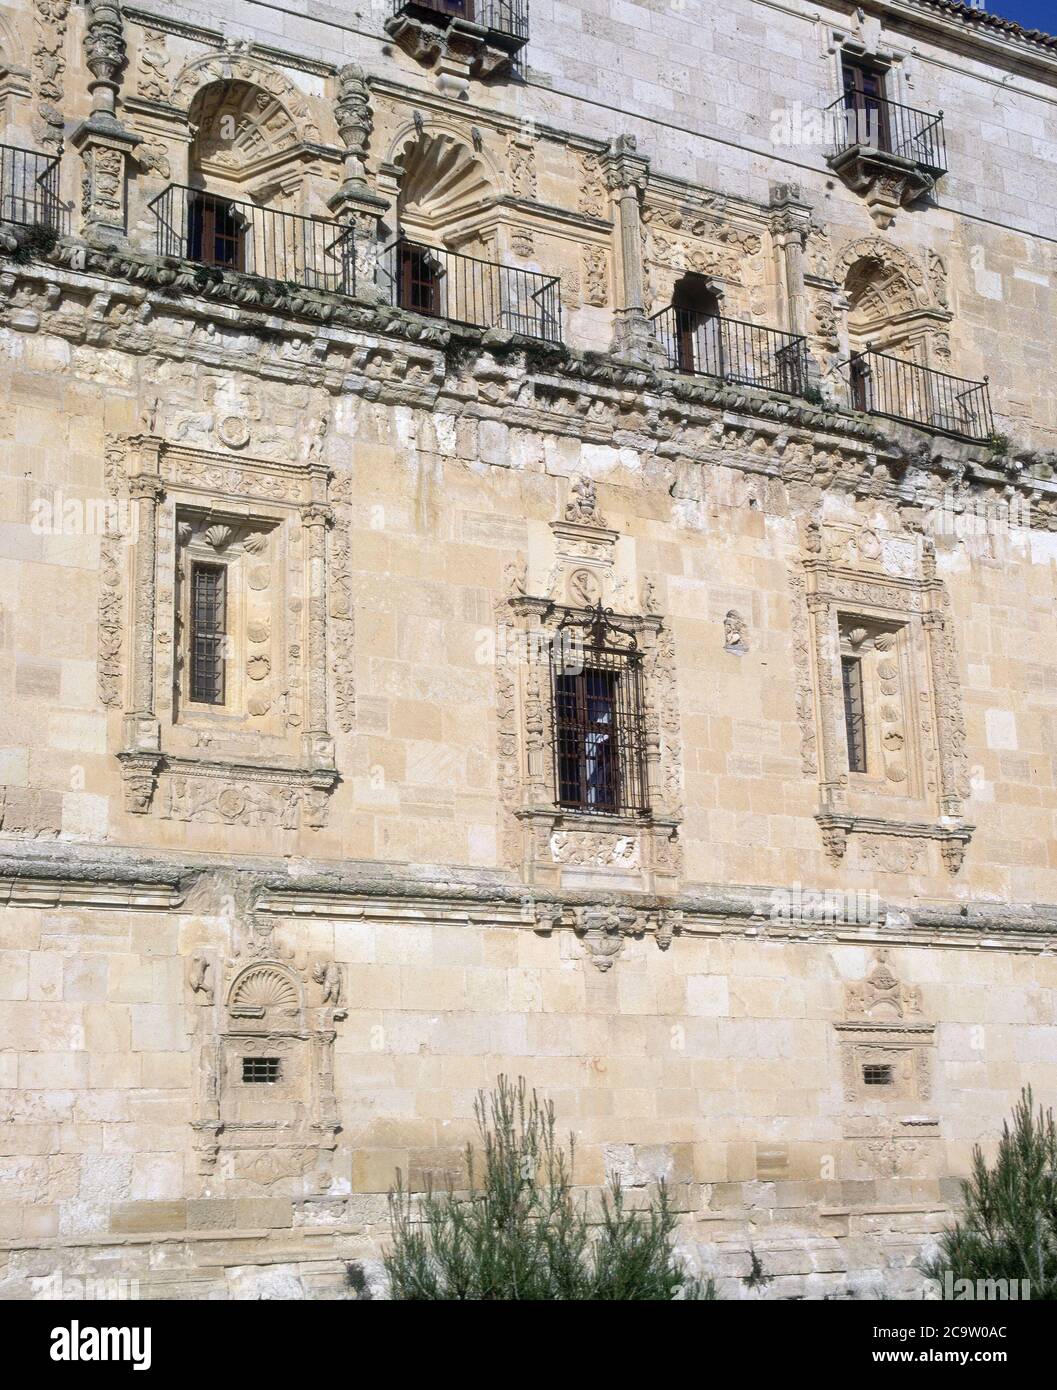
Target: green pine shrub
[
  {"x": 1008, "y": 1229},
  {"x": 519, "y": 1232}
]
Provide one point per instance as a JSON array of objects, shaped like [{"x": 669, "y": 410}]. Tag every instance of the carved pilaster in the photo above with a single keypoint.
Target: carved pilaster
[
  {"x": 833, "y": 770},
  {"x": 950, "y": 726},
  {"x": 141, "y": 724},
  {"x": 627, "y": 175},
  {"x": 790, "y": 224},
  {"x": 319, "y": 746}
]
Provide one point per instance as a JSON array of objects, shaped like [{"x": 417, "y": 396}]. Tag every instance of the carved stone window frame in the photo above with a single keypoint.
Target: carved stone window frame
[
  {"x": 262, "y": 1003},
  {"x": 892, "y": 1128},
  {"x": 166, "y": 480},
  {"x": 845, "y": 584},
  {"x": 560, "y": 845}
]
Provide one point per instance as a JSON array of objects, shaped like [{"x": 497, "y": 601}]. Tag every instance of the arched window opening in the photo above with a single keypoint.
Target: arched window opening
[
  {"x": 698, "y": 340},
  {"x": 245, "y": 169},
  {"x": 443, "y": 261},
  {"x": 890, "y": 333}
]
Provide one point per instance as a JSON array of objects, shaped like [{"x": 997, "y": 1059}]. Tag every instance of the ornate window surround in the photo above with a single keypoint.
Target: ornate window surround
[
  {"x": 887, "y": 583},
  {"x": 893, "y": 1128},
  {"x": 554, "y": 846},
  {"x": 230, "y": 785},
  {"x": 262, "y": 1002}
]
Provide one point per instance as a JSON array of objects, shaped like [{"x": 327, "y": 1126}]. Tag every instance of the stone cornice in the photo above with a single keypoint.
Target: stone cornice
[
  {"x": 134, "y": 879},
  {"x": 958, "y": 26},
  {"x": 465, "y": 111},
  {"x": 198, "y": 33},
  {"x": 128, "y": 301}
]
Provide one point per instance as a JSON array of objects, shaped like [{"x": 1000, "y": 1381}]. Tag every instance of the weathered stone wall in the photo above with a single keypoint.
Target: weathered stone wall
[{"x": 716, "y": 1065}]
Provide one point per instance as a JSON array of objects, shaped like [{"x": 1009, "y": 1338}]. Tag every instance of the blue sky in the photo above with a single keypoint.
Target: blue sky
[{"x": 1033, "y": 14}]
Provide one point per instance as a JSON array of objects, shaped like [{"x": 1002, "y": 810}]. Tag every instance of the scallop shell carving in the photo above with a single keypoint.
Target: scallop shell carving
[
  {"x": 219, "y": 536},
  {"x": 256, "y": 543},
  {"x": 264, "y": 987}
]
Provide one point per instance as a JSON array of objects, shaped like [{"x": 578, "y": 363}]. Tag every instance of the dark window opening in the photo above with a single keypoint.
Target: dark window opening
[
  {"x": 698, "y": 332},
  {"x": 588, "y": 760},
  {"x": 865, "y": 106},
  {"x": 260, "y": 1069},
  {"x": 216, "y": 232},
  {"x": 419, "y": 280},
  {"x": 854, "y": 712},
  {"x": 877, "y": 1074},
  {"x": 208, "y": 633},
  {"x": 599, "y": 738},
  {"x": 860, "y": 382}
]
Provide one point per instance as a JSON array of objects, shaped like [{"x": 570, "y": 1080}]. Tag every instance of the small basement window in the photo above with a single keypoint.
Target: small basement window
[
  {"x": 877, "y": 1074},
  {"x": 260, "y": 1069}
]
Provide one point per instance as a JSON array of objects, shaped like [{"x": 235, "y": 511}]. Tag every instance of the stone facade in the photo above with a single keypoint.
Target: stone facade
[{"x": 797, "y": 989}]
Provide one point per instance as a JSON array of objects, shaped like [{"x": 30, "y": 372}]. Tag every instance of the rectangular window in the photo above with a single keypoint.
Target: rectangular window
[
  {"x": 599, "y": 741},
  {"x": 854, "y": 712},
  {"x": 260, "y": 1070},
  {"x": 216, "y": 232},
  {"x": 865, "y": 106},
  {"x": 877, "y": 1074},
  {"x": 420, "y": 277},
  {"x": 208, "y": 633}
]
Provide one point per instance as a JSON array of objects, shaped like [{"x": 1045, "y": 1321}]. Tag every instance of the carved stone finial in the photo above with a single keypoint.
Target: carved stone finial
[
  {"x": 354, "y": 119},
  {"x": 582, "y": 505},
  {"x": 105, "y": 53},
  {"x": 516, "y": 576},
  {"x": 200, "y": 977},
  {"x": 328, "y": 975}
]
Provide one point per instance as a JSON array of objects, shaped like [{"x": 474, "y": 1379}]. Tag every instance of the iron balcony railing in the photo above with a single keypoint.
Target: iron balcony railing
[
  {"x": 505, "y": 20},
  {"x": 463, "y": 289},
  {"x": 880, "y": 124},
  {"x": 29, "y": 188},
  {"x": 884, "y": 385},
  {"x": 310, "y": 252},
  {"x": 746, "y": 354}
]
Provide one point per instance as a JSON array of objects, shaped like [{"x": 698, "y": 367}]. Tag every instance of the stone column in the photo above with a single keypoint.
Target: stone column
[
  {"x": 141, "y": 723},
  {"x": 318, "y": 745},
  {"x": 140, "y": 756},
  {"x": 790, "y": 223},
  {"x": 102, "y": 140},
  {"x": 627, "y": 175},
  {"x": 355, "y": 204}
]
